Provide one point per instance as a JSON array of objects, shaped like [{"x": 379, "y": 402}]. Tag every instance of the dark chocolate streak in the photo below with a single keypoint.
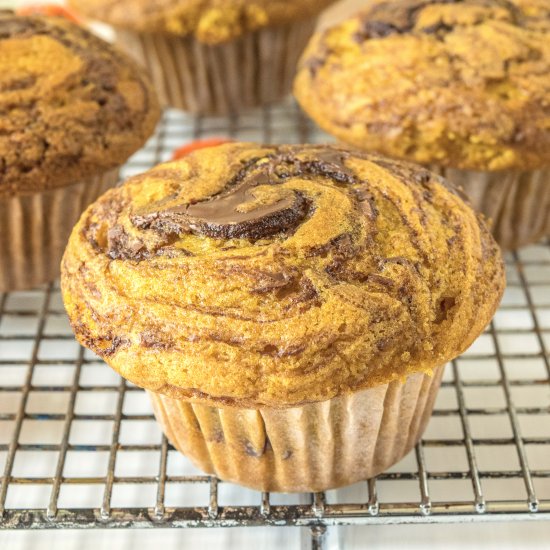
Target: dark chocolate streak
[
  {"x": 409, "y": 173},
  {"x": 99, "y": 69},
  {"x": 12, "y": 26},
  {"x": 394, "y": 17},
  {"x": 104, "y": 345},
  {"x": 222, "y": 216}
]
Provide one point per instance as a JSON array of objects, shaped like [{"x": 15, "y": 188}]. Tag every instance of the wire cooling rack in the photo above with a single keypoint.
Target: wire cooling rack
[{"x": 79, "y": 446}]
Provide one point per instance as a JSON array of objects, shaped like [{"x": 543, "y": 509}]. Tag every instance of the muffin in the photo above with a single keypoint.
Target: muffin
[
  {"x": 213, "y": 57},
  {"x": 72, "y": 110},
  {"x": 289, "y": 309},
  {"x": 462, "y": 87}
]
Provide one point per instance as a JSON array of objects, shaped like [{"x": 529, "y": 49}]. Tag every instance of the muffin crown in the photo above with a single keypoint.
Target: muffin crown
[
  {"x": 458, "y": 83},
  {"x": 210, "y": 21},
  {"x": 71, "y": 106},
  {"x": 276, "y": 276}
]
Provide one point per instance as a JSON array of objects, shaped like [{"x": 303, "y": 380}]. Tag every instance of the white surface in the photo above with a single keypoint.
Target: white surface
[{"x": 498, "y": 536}]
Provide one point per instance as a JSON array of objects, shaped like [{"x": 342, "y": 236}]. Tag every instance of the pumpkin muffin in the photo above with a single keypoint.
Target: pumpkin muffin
[
  {"x": 213, "y": 56},
  {"x": 72, "y": 110},
  {"x": 290, "y": 309},
  {"x": 461, "y": 86}
]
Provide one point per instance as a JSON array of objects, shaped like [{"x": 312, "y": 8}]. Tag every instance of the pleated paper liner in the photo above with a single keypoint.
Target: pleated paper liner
[
  {"x": 253, "y": 70},
  {"x": 314, "y": 447},
  {"x": 35, "y": 228},
  {"x": 517, "y": 203}
]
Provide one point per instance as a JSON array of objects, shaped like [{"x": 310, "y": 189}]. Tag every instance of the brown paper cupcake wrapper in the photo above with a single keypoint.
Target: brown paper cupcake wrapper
[
  {"x": 35, "y": 228},
  {"x": 518, "y": 203},
  {"x": 314, "y": 447},
  {"x": 255, "y": 69}
]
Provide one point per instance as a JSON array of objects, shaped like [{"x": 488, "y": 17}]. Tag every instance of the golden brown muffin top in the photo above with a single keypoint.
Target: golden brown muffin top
[
  {"x": 459, "y": 83},
  {"x": 210, "y": 21},
  {"x": 70, "y": 105},
  {"x": 248, "y": 275}
]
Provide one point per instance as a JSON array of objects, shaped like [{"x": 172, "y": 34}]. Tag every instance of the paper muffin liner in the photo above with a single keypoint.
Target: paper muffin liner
[
  {"x": 35, "y": 228},
  {"x": 517, "y": 202},
  {"x": 314, "y": 447},
  {"x": 253, "y": 70}
]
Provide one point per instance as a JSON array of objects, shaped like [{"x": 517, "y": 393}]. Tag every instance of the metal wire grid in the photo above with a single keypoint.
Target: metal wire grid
[{"x": 70, "y": 429}]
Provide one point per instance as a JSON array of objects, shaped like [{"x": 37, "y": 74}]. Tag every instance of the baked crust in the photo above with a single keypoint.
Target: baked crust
[
  {"x": 71, "y": 106},
  {"x": 210, "y": 21},
  {"x": 458, "y": 83},
  {"x": 275, "y": 276}
]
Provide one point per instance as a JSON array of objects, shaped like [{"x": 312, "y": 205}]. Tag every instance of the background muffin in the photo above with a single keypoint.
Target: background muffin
[
  {"x": 460, "y": 86},
  {"x": 72, "y": 109},
  {"x": 283, "y": 304},
  {"x": 217, "y": 56}
]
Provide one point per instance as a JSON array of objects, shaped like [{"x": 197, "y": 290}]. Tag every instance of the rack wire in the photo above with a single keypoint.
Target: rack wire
[{"x": 79, "y": 447}]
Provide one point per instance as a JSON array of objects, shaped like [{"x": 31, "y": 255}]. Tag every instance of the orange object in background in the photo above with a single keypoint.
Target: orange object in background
[
  {"x": 50, "y": 10},
  {"x": 185, "y": 150}
]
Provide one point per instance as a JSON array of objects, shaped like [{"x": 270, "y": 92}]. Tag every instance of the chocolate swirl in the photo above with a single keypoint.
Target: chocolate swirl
[
  {"x": 71, "y": 105},
  {"x": 222, "y": 218},
  {"x": 455, "y": 83},
  {"x": 258, "y": 276},
  {"x": 227, "y": 216},
  {"x": 387, "y": 18}
]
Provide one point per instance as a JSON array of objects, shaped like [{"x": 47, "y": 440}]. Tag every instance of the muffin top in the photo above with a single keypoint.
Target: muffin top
[
  {"x": 248, "y": 275},
  {"x": 458, "y": 83},
  {"x": 70, "y": 105},
  {"x": 210, "y": 21}
]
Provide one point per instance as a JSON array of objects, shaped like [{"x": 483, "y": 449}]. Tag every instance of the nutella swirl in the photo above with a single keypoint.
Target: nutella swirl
[
  {"x": 461, "y": 84},
  {"x": 71, "y": 105},
  {"x": 233, "y": 214},
  {"x": 401, "y": 17},
  {"x": 253, "y": 275}
]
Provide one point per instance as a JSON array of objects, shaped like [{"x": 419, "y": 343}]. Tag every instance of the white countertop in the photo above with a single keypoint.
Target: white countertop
[{"x": 495, "y": 536}]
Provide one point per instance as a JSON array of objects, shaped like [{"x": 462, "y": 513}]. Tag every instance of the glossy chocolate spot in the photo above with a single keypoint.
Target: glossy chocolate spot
[
  {"x": 330, "y": 164},
  {"x": 238, "y": 211},
  {"x": 221, "y": 218}
]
